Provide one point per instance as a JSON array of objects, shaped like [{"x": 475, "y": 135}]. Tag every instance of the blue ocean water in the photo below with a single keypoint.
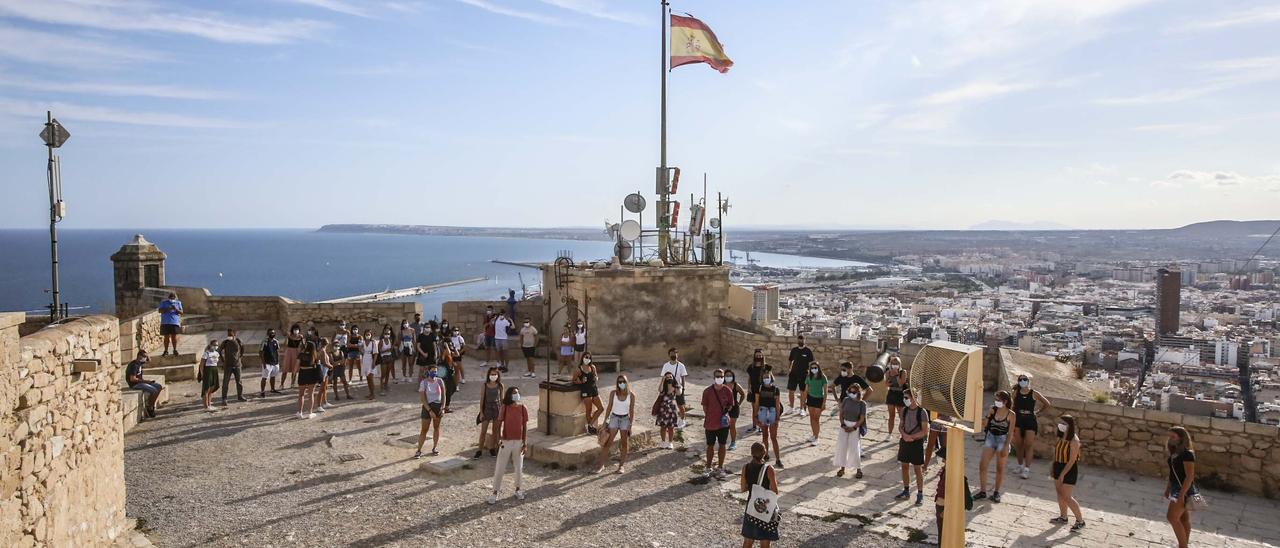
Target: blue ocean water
[{"x": 297, "y": 263}]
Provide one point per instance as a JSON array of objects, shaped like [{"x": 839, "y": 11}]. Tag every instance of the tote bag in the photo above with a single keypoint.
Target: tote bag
[{"x": 762, "y": 505}]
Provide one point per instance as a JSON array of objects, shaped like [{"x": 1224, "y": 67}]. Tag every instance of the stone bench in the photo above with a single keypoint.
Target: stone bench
[{"x": 133, "y": 403}]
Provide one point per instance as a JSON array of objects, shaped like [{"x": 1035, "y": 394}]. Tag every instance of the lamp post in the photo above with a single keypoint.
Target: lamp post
[{"x": 54, "y": 135}]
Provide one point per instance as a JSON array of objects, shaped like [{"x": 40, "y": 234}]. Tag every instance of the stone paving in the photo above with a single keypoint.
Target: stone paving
[{"x": 1121, "y": 509}]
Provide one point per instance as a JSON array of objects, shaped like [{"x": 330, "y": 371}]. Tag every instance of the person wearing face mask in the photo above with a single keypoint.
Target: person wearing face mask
[
  {"x": 739, "y": 395},
  {"x": 995, "y": 445},
  {"x": 800, "y": 358},
  {"x": 914, "y": 427},
  {"x": 586, "y": 378},
  {"x": 368, "y": 359},
  {"x": 678, "y": 371},
  {"x": 755, "y": 372},
  {"x": 769, "y": 403},
  {"x": 841, "y": 386},
  {"x": 716, "y": 401},
  {"x": 1025, "y": 409},
  {"x": 565, "y": 355},
  {"x": 269, "y": 353},
  {"x": 501, "y": 332},
  {"x": 513, "y": 428},
  {"x": 853, "y": 417},
  {"x": 308, "y": 375},
  {"x": 490, "y": 396},
  {"x": 289, "y": 365},
  {"x": 209, "y": 374},
  {"x": 1066, "y": 456},
  {"x": 528, "y": 342},
  {"x": 815, "y": 383},
  {"x": 490, "y": 343},
  {"x": 386, "y": 357},
  {"x": 407, "y": 335},
  {"x": 579, "y": 340},
  {"x": 232, "y": 349},
  {"x": 457, "y": 348},
  {"x": 1181, "y": 488},
  {"x": 621, "y": 411},
  {"x": 664, "y": 409},
  {"x": 894, "y": 378},
  {"x": 431, "y": 392}
]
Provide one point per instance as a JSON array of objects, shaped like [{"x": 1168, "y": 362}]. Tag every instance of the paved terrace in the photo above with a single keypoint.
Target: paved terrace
[{"x": 255, "y": 475}]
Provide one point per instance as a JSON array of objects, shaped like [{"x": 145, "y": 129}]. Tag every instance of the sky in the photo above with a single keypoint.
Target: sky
[{"x": 887, "y": 114}]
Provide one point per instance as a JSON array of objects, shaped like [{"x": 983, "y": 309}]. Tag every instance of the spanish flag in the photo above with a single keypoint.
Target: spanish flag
[{"x": 693, "y": 42}]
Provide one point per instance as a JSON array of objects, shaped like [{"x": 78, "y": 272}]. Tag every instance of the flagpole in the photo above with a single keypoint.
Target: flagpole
[{"x": 663, "y": 199}]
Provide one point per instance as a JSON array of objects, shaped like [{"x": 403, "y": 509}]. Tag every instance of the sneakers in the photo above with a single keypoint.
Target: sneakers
[
  {"x": 519, "y": 494},
  {"x": 1015, "y": 469},
  {"x": 417, "y": 454},
  {"x": 813, "y": 442},
  {"x": 1026, "y": 472},
  {"x": 319, "y": 410},
  {"x": 592, "y": 430},
  {"x": 995, "y": 496},
  {"x": 980, "y": 495},
  {"x": 621, "y": 470},
  {"x": 311, "y": 416},
  {"x": 493, "y": 452},
  {"x": 904, "y": 494},
  {"x": 240, "y": 398},
  {"x": 681, "y": 424},
  {"x": 802, "y": 412},
  {"x": 778, "y": 464},
  {"x": 733, "y": 445},
  {"x": 919, "y": 498},
  {"x": 300, "y": 415},
  {"x": 463, "y": 381},
  {"x": 1077, "y": 526},
  {"x": 721, "y": 474},
  {"x": 493, "y": 498},
  {"x": 477, "y": 455}
]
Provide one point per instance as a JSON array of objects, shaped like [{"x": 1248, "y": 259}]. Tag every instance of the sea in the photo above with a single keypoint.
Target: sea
[{"x": 302, "y": 264}]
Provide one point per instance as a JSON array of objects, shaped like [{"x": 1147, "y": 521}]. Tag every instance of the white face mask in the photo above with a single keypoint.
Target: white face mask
[
  {"x": 1024, "y": 384},
  {"x": 813, "y": 370},
  {"x": 907, "y": 401},
  {"x": 622, "y": 386},
  {"x": 515, "y": 397},
  {"x": 719, "y": 380},
  {"x": 844, "y": 373},
  {"x": 586, "y": 360},
  {"x": 493, "y": 378},
  {"x": 768, "y": 382},
  {"x": 728, "y": 379},
  {"x": 999, "y": 404},
  {"x": 893, "y": 366},
  {"x": 853, "y": 395},
  {"x": 1062, "y": 428}
]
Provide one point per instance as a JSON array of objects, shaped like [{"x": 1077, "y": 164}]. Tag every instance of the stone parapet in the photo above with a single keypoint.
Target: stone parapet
[{"x": 61, "y": 434}]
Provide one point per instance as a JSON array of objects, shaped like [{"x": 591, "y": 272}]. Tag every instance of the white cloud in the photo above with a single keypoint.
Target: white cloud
[
  {"x": 128, "y": 15},
  {"x": 64, "y": 49},
  {"x": 915, "y": 61},
  {"x": 337, "y": 6},
  {"x": 511, "y": 12},
  {"x": 975, "y": 91},
  {"x": 599, "y": 10},
  {"x": 111, "y": 88},
  {"x": 1215, "y": 77},
  {"x": 1255, "y": 16},
  {"x": 1218, "y": 180},
  {"x": 1161, "y": 97},
  {"x": 70, "y": 113}
]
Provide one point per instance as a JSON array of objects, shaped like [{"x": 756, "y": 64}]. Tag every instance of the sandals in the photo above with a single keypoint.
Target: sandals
[{"x": 858, "y": 475}]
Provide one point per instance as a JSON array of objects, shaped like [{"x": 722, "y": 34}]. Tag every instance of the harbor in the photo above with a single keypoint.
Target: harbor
[{"x": 392, "y": 294}]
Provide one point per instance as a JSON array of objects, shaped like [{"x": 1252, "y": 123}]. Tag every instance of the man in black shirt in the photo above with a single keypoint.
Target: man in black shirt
[
  {"x": 800, "y": 358},
  {"x": 232, "y": 350},
  {"x": 427, "y": 347},
  {"x": 133, "y": 376},
  {"x": 270, "y": 354},
  {"x": 840, "y": 386}
]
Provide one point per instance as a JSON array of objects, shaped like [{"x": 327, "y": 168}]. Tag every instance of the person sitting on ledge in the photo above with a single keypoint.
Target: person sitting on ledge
[{"x": 133, "y": 375}]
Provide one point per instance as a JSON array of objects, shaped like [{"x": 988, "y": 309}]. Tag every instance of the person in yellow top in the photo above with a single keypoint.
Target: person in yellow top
[{"x": 1066, "y": 460}]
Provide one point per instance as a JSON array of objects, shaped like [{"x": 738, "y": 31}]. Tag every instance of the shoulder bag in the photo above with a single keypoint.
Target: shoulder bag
[{"x": 762, "y": 504}]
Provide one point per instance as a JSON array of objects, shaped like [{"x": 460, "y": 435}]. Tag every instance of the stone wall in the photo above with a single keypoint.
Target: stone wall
[
  {"x": 61, "y": 434},
  {"x": 141, "y": 331},
  {"x": 1229, "y": 454},
  {"x": 326, "y": 315},
  {"x": 737, "y": 348},
  {"x": 281, "y": 312}
]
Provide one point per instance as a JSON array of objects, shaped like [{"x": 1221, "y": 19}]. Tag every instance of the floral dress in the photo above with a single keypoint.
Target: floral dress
[{"x": 667, "y": 412}]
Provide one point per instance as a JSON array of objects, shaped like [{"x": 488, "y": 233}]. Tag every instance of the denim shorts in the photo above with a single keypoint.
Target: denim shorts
[
  {"x": 995, "y": 442},
  {"x": 768, "y": 416},
  {"x": 619, "y": 423}
]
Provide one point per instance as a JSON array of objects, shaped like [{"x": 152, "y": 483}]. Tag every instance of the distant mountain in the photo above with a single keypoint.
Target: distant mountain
[
  {"x": 1227, "y": 229},
  {"x": 1014, "y": 225}
]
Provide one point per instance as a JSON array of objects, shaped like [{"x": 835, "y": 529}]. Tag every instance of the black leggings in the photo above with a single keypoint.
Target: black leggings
[{"x": 450, "y": 387}]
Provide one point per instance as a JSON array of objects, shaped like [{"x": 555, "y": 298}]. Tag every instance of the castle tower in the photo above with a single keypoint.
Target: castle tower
[{"x": 139, "y": 265}]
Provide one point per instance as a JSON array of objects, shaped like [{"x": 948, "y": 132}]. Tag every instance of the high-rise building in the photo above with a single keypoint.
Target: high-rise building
[
  {"x": 764, "y": 303},
  {"x": 1168, "y": 299}
]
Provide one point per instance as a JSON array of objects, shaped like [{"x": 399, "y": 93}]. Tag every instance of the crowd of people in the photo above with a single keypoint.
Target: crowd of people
[{"x": 429, "y": 355}]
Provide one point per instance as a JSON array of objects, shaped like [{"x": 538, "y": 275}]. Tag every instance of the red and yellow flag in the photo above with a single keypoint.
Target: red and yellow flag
[{"x": 693, "y": 42}]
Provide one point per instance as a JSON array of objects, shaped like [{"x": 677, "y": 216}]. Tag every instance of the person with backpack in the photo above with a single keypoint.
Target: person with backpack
[
  {"x": 995, "y": 444},
  {"x": 717, "y": 399},
  {"x": 232, "y": 350},
  {"x": 759, "y": 473},
  {"x": 853, "y": 421},
  {"x": 913, "y": 428}
]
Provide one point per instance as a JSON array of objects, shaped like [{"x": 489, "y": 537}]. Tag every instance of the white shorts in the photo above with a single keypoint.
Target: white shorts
[{"x": 270, "y": 370}]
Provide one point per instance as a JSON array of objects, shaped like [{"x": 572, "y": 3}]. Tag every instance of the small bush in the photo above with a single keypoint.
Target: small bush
[{"x": 1101, "y": 397}]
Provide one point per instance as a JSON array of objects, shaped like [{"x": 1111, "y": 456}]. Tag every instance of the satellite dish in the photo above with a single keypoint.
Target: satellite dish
[
  {"x": 715, "y": 222},
  {"x": 634, "y": 202},
  {"x": 622, "y": 250},
  {"x": 611, "y": 229},
  {"x": 629, "y": 230}
]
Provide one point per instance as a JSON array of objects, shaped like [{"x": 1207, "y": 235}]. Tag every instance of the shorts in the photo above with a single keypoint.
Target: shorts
[
  {"x": 768, "y": 416},
  {"x": 911, "y": 452},
  {"x": 735, "y": 411},
  {"x": 210, "y": 379},
  {"x": 352, "y": 354},
  {"x": 528, "y": 351},
  {"x": 588, "y": 391},
  {"x": 680, "y": 399},
  {"x": 434, "y": 408},
  {"x": 270, "y": 370},
  {"x": 894, "y": 397},
  {"x": 406, "y": 349},
  {"x": 720, "y": 437},
  {"x": 1070, "y": 478},
  {"x": 813, "y": 402},
  {"x": 500, "y": 344},
  {"x": 795, "y": 380},
  {"x": 146, "y": 386},
  {"x": 170, "y": 328},
  {"x": 308, "y": 376},
  {"x": 387, "y": 359},
  {"x": 424, "y": 361},
  {"x": 621, "y": 423},
  {"x": 489, "y": 341},
  {"x": 580, "y": 347},
  {"x": 338, "y": 371},
  {"x": 1025, "y": 422},
  {"x": 995, "y": 441},
  {"x": 489, "y": 412},
  {"x": 566, "y": 351}
]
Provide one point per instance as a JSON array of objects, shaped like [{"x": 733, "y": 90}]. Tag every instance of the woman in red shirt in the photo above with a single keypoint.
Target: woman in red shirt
[{"x": 512, "y": 426}]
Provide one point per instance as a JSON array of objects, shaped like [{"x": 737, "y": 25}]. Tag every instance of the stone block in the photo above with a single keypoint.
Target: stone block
[
  {"x": 445, "y": 465},
  {"x": 1164, "y": 417},
  {"x": 1226, "y": 425},
  {"x": 1262, "y": 430},
  {"x": 1195, "y": 421}
]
